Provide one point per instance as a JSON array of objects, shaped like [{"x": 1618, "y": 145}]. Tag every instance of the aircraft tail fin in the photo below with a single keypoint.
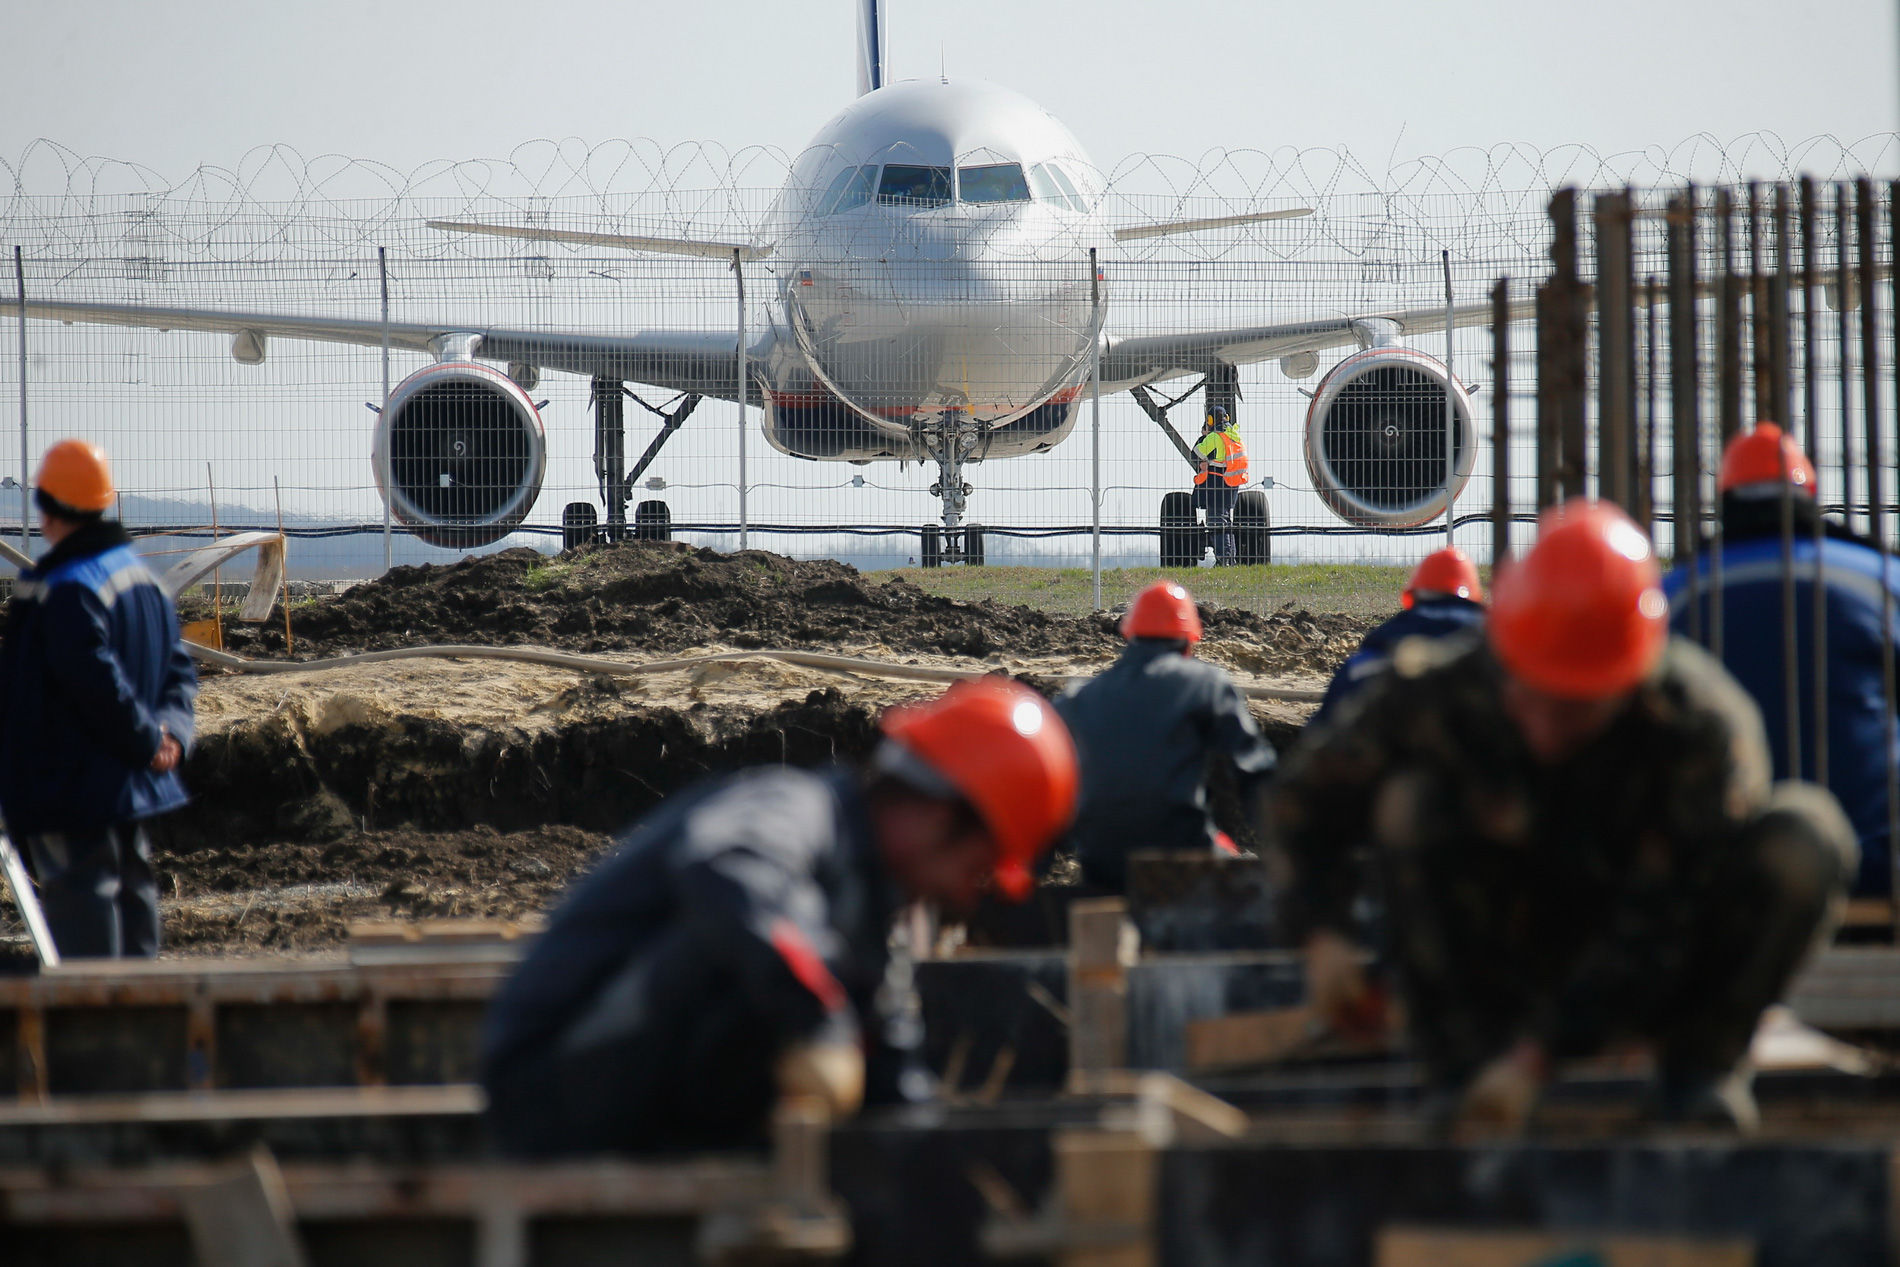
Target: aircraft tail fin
[{"x": 870, "y": 45}]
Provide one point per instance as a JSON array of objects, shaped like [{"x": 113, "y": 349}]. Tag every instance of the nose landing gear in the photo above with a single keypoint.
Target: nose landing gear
[{"x": 954, "y": 541}]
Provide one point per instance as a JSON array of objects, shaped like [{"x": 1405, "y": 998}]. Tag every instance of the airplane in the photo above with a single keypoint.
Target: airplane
[{"x": 939, "y": 263}]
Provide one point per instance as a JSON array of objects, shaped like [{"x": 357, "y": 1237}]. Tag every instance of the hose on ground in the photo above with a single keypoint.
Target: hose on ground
[{"x": 627, "y": 668}]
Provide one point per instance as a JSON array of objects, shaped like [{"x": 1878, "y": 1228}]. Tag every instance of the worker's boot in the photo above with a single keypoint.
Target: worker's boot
[{"x": 1725, "y": 1102}]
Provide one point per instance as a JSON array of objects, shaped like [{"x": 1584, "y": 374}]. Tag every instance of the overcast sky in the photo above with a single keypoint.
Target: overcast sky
[{"x": 196, "y": 82}]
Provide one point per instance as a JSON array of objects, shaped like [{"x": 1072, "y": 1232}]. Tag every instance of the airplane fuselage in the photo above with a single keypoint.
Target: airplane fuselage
[{"x": 933, "y": 294}]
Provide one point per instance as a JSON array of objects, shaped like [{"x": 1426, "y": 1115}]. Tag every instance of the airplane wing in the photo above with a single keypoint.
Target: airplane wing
[
  {"x": 675, "y": 360},
  {"x": 1138, "y": 359}
]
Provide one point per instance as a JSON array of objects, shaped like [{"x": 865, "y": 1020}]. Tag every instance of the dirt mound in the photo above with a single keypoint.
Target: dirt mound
[
  {"x": 662, "y": 597},
  {"x": 303, "y": 897},
  {"x": 270, "y": 779}
]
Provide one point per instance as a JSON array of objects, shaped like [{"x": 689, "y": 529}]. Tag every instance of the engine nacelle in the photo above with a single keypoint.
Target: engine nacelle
[
  {"x": 459, "y": 454},
  {"x": 1375, "y": 438}
]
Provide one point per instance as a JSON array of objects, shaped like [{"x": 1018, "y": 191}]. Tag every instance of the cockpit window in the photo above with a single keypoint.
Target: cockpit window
[
  {"x": 850, "y": 188},
  {"x": 996, "y": 182},
  {"x": 907, "y": 186},
  {"x": 1067, "y": 186},
  {"x": 1045, "y": 186}
]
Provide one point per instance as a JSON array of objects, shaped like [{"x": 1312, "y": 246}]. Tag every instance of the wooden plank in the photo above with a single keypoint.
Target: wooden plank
[
  {"x": 1450, "y": 1247},
  {"x": 1105, "y": 1190},
  {"x": 243, "y": 1219},
  {"x": 406, "y": 932},
  {"x": 1101, "y": 946}
]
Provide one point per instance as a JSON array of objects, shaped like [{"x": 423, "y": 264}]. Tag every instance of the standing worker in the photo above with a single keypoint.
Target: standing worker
[
  {"x": 1144, "y": 730},
  {"x": 1756, "y": 467},
  {"x": 1220, "y": 477},
  {"x": 96, "y": 696},
  {"x": 1573, "y": 830},
  {"x": 1442, "y": 599},
  {"x": 737, "y": 947}
]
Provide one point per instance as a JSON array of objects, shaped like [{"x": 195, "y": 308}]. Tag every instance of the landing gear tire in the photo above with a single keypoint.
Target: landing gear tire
[
  {"x": 973, "y": 547},
  {"x": 1180, "y": 532},
  {"x": 580, "y": 525},
  {"x": 932, "y": 553},
  {"x": 652, "y": 521},
  {"x": 1253, "y": 543}
]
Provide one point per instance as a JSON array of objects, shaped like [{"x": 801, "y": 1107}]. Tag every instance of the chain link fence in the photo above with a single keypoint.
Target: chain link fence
[{"x": 932, "y": 331}]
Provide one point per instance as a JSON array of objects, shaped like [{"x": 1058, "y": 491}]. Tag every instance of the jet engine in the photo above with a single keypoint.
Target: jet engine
[
  {"x": 459, "y": 454},
  {"x": 1375, "y": 438}
]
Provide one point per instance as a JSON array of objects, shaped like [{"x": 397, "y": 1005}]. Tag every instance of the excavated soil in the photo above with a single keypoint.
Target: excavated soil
[
  {"x": 663, "y": 597},
  {"x": 477, "y": 787}
]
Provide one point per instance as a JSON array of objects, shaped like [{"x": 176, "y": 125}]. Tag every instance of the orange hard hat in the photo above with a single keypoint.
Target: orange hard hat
[
  {"x": 1002, "y": 747},
  {"x": 1756, "y": 457},
  {"x": 1582, "y": 615},
  {"x": 74, "y": 473},
  {"x": 1163, "y": 610},
  {"x": 1447, "y": 571}
]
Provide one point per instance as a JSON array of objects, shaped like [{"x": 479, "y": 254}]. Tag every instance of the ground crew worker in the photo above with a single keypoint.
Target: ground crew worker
[
  {"x": 1219, "y": 479},
  {"x": 737, "y": 945},
  {"x": 1754, "y": 468},
  {"x": 1443, "y": 597},
  {"x": 1144, "y": 730},
  {"x": 1572, "y": 827},
  {"x": 96, "y": 696}
]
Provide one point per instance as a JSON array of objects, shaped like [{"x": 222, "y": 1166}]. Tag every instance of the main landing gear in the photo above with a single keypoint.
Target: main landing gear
[
  {"x": 652, "y": 519},
  {"x": 1184, "y": 539}
]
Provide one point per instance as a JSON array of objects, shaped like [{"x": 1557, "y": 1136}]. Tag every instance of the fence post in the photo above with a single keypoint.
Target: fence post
[
  {"x": 1685, "y": 399},
  {"x": 738, "y": 275},
  {"x": 1500, "y": 423},
  {"x": 1451, "y": 410},
  {"x": 1095, "y": 432},
  {"x": 1615, "y": 347},
  {"x": 1569, "y": 353},
  {"x": 19, "y": 277},
  {"x": 389, "y": 468}
]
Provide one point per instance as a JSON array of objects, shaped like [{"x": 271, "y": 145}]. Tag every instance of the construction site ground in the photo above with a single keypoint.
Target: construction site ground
[{"x": 463, "y": 787}]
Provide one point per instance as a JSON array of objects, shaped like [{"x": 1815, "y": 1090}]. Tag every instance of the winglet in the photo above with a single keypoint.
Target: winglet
[
  {"x": 624, "y": 241},
  {"x": 1195, "y": 226}
]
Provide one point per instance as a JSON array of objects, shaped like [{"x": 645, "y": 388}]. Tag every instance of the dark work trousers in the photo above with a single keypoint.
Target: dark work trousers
[
  {"x": 1218, "y": 500},
  {"x": 1473, "y": 987},
  {"x": 97, "y": 890},
  {"x": 665, "y": 1055}
]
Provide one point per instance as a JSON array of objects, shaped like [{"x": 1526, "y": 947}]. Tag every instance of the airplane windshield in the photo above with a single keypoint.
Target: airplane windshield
[
  {"x": 1076, "y": 200},
  {"x": 907, "y": 186},
  {"x": 996, "y": 182},
  {"x": 851, "y": 188}
]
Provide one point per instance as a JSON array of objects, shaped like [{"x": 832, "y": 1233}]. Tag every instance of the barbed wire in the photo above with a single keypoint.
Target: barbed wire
[{"x": 276, "y": 203}]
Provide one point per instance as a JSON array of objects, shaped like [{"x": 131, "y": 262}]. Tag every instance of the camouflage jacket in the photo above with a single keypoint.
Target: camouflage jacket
[{"x": 1598, "y": 867}]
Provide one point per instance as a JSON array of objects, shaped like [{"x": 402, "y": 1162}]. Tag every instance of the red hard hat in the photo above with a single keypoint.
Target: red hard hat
[
  {"x": 1756, "y": 457},
  {"x": 74, "y": 473},
  {"x": 1163, "y": 610},
  {"x": 1447, "y": 571},
  {"x": 1582, "y": 616},
  {"x": 1008, "y": 754}
]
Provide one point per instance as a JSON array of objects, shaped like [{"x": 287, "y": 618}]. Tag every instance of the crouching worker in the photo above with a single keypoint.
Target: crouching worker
[
  {"x": 1573, "y": 830},
  {"x": 1442, "y": 599},
  {"x": 736, "y": 948},
  {"x": 1145, "y": 729}
]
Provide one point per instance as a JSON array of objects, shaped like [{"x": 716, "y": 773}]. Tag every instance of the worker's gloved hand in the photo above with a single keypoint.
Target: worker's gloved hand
[
  {"x": 1335, "y": 979},
  {"x": 1500, "y": 1099},
  {"x": 828, "y": 1071},
  {"x": 170, "y": 753}
]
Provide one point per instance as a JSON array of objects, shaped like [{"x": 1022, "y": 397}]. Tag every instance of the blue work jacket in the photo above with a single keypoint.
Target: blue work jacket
[
  {"x": 91, "y": 668},
  {"x": 1752, "y": 645},
  {"x": 1431, "y": 618}
]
